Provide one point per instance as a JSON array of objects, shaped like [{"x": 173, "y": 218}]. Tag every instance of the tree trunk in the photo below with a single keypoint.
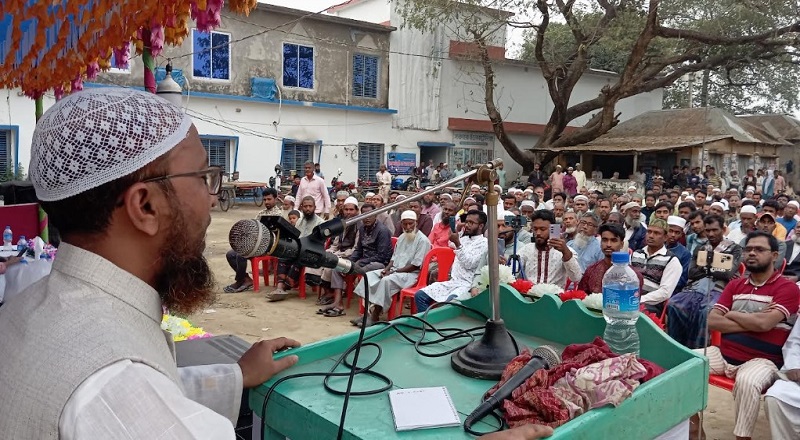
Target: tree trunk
[{"x": 704, "y": 89}]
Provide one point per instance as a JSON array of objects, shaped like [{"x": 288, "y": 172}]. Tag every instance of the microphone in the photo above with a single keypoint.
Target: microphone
[
  {"x": 251, "y": 238},
  {"x": 542, "y": 357}
]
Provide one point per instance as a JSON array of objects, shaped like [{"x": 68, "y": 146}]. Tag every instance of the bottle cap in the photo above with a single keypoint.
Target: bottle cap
[{"x": 620, "y": 257}]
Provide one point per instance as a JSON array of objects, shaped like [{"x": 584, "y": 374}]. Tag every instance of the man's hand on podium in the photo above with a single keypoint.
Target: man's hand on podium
[
  {"x": 258, "y": 365},
  {"x": 525, "y": 432}
]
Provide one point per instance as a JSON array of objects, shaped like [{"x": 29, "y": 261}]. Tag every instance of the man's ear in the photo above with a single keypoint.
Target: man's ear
[{"x": 142, "y": 204}]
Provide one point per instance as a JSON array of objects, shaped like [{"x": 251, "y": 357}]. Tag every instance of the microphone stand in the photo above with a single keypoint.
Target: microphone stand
[{"x": 487, "y": 357}]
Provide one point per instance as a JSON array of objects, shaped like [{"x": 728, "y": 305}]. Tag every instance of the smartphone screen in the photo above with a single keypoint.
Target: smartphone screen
[
  {"x": 501, "y": 247},
  {"x": 555, "y": 231},
  {"x": 452, "y": 224}
]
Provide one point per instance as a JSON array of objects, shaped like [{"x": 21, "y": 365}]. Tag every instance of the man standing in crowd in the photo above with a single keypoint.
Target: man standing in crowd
[
  {"x": 557, "y": 181},
  {"x": 580, "y": 175},
  {"x": 384, "y": 180},
  {"x": 313, "y": 186},
  {"x": 536, "y": 178}
]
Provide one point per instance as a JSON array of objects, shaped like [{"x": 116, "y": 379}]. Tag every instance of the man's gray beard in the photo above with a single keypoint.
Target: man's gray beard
[
  {"x": 411, "y": 236},
  {"x": 633, "y": 223},
  {"x": 581, "y": 240},
  {"x": 571, "y": 230},
  {"x": 558, "y": 220}
]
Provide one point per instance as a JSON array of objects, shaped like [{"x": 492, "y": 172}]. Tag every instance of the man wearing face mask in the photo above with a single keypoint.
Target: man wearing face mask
[
  {"x": 401, "y": 272},
  {"x": 83, "y": 355}
]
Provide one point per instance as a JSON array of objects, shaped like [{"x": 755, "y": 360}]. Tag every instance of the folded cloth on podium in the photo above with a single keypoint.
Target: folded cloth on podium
[{"x": 589, "y": 376}]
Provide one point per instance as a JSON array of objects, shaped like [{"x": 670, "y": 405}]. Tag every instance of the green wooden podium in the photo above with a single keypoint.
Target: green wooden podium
[{"x": 301, "y": 408}]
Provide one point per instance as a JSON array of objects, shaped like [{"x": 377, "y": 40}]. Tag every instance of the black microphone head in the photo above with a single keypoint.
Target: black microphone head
[
  {"x": 547, "y": 354},
  {"x": 250, "y": 238}
]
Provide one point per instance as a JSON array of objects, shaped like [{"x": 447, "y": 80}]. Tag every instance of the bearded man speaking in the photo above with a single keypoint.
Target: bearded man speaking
[{"x": 124, "y": 177}]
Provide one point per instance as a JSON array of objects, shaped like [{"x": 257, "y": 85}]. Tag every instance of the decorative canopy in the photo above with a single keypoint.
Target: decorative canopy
[{"x": 54, "y": 44}]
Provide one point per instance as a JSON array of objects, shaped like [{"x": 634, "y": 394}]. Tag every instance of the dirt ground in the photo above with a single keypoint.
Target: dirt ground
[{"x": 249, "y": 316}]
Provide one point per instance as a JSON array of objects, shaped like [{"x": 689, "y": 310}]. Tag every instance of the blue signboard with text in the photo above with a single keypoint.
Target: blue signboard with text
[{"x": 401, "y": 163}]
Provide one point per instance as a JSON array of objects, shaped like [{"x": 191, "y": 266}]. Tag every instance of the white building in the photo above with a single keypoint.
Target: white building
[{"x": 346, "y": 90}]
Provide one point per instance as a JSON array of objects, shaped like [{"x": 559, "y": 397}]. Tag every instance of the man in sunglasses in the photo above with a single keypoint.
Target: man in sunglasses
[{"x": 123, "y": 175}]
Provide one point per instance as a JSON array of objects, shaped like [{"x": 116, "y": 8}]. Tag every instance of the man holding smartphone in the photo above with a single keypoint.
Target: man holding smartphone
[{"x": 548, "y": 259}]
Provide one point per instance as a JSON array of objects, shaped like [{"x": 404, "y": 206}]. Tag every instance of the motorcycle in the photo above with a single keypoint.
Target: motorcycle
[
  {"x": 336, "y": 185},
  {"x": 518, "y": 182},
  {"x": 410, "y": 184},
  {"x": 274, "y": 181}
]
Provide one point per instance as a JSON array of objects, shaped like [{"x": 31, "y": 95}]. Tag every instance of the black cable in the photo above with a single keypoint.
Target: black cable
[{"x": 445, "y": 334}]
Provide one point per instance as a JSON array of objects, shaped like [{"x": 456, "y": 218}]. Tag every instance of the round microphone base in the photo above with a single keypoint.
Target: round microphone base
[{"x": 487, "y": 357}]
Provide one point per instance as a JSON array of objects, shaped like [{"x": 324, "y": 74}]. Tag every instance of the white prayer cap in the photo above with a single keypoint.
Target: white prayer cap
[
  {"x": 716, "y": 190},
  {"x": 685, "y": 193},
  {"x": 748, "y": 209},
  {"x": 474, "y": 186},
  {"x": 528, "y": 203},
  {"x": 750, "y": 189},
  {"x": 351, "y": 201},
  {"x": 674, "y": 220},
  {"x": 400, "y": 197},
  {"x": 630, "y": 205},
  {"x": 99, "y": 135},
  {"x": 369, "y": 194},
  {"x": 528, "y": 191},
  {"x": 689, "y": 198},
  {"x": 291, "y": 199},
  {"x": 581, "y": 197},
  {"x": 498, "y": 187},
  {"x": 719, "y": 205},
  {"x": 469, "y": 199},
  {"x": 408, "y": 215},
  {"x": 631, "y": 188},
  {"x": 794, "y": 203},
  {"x": 725, "y": 204},
  {"x": 512, "y": 190},
  {"x": 446, "y": 195}
]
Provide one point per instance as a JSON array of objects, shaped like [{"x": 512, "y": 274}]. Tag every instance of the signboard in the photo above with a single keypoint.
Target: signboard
[
  {"x": 401, "y": 163},
  {"x": 471, "y": 147}
]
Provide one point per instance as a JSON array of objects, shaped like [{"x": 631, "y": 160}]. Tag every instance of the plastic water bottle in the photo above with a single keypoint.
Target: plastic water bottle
[
  {"x": 7, "y": 237},
  {"x": 621, "y": 305},
  {"x": 22, "y": 243}
]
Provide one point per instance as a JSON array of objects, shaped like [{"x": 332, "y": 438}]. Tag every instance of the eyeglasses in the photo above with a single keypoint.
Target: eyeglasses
[
  {"x": 756, "y": 249},
  {"x": 585, "y": 223},
  {"x": 212, "y": 176}
]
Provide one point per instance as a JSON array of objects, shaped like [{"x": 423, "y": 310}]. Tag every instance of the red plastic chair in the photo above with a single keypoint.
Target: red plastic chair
[
  {"x": 444, "y": 257},
  {"x": 266, "y": 263}
]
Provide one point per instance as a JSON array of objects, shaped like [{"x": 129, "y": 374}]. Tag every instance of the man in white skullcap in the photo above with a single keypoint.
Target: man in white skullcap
[
  {"x": 401, "y": 272},
  {"x": 580, "y": 204},
  {"x": 287, "y": 206},
  {"x": 124, "y": 177},
  {"x": 342, "y": 246}
]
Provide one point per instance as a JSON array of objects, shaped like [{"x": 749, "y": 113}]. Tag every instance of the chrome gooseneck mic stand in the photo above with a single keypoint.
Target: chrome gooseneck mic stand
[{"x": 487, "y": 357}]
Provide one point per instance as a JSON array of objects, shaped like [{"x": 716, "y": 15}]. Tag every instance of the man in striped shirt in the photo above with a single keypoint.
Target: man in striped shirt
[
  {"x": 754, "y": 315},
  {"x": 660, "y": 268}
]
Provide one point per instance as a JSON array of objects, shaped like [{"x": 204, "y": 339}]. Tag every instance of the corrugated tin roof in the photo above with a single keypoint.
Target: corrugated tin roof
[{"x": 670, "y": 129}]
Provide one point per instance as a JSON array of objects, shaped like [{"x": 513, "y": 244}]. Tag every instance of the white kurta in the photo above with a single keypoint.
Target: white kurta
[
  {"x": 786, "y": 391},
  {"x": 132, "y": 400},
  {"x": 468, "y": 261},
  {"x": 547, "y": 266},
  {"x": 406, "y": 252}
]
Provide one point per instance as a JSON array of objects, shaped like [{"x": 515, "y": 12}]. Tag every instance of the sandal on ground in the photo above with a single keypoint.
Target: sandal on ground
[
  {"x": 355, "y": 321},
  {"x": 370, "y": 322},
  {"x": 334, "y": 312},
  {"x": 230, "y": 288},
  {"x": 244, "y": 287},
  {"x": 277, "y": 295},
  {"x": 323, "y": 310},
  {"x": 325, "y": 301}
]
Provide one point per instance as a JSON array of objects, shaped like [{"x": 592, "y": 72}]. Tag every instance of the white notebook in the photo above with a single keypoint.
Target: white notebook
[{"x": 419, "y": 408}]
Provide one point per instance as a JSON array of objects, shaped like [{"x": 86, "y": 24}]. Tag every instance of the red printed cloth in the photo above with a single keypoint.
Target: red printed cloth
[{"x": 581, "y": 382}]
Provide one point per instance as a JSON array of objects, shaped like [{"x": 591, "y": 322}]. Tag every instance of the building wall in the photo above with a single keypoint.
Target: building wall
[{"x": 262, "y": 56}]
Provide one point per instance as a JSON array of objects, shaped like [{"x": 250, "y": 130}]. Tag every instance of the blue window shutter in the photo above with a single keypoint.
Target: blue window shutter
[
  {"x": 365, "y": 76},
  {"x": 358, "y": 75},
  {"x": 369, "y": 160},
  {"x": 290, "y": 74},
  {"x": 218, "y": 152},
  {"x": 295, "y": 154},
  {"x": 4, "y": 162}
]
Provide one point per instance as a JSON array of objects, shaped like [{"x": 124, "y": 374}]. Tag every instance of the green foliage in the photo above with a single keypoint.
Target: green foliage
[{"x": 10, "y": 175}]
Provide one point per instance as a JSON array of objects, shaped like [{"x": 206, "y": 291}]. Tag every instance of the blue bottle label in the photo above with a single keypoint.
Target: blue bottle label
[{"x": 621, "y": 300}]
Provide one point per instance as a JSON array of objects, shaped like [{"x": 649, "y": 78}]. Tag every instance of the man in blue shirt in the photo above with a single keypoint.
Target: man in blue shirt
[
  {"x": 788, "y": 221},
  {"x": 585, "y": 242}
]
